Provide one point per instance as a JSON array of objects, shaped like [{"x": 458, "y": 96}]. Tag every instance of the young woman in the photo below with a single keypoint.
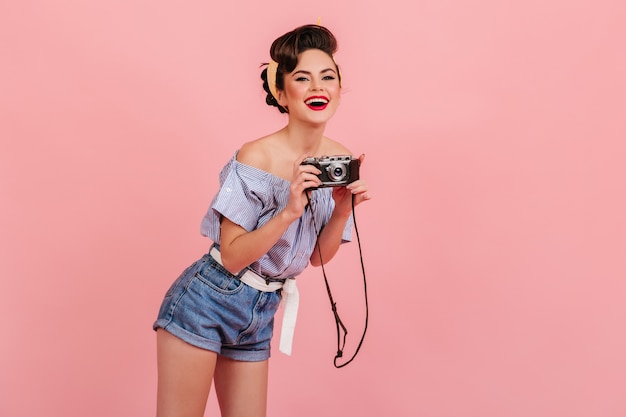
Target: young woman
[{"x": 216, "y": 321}]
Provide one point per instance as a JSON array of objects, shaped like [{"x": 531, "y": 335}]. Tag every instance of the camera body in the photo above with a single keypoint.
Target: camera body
[{"x": 337, "y": 171}]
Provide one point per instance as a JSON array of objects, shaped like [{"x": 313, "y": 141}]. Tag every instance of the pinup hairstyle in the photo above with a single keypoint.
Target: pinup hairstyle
[{"x": 285, "y": 52}]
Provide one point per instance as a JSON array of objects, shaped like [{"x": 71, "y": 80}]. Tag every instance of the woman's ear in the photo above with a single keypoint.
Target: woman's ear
[{"x": 282, "y": 99}]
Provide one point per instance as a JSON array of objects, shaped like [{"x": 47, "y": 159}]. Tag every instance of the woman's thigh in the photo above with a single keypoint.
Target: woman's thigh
[
  {"x": 185, "y": 375},
  {"x": 241, "y": 387}
]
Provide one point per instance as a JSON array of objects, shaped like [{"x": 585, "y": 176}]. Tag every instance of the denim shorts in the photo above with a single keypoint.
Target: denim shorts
[{"x": 211, "y": 308}]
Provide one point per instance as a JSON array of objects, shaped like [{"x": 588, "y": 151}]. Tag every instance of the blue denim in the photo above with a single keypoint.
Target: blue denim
[{"x": 211, "y": 308}]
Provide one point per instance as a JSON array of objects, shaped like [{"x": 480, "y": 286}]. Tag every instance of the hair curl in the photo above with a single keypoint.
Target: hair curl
[{"x": 286, "y": 50}]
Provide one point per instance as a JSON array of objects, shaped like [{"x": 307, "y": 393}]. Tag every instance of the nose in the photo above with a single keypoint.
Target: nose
[{"x": 316, "y": 85}]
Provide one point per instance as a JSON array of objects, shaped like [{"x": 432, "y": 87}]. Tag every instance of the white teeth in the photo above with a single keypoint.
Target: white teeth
[{"x": 317, "y": 101}]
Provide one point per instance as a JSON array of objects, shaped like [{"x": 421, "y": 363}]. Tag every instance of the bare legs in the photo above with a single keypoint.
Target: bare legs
[
  {"x": 186, "y": 373},
  {"x": 241, "y": 387}
]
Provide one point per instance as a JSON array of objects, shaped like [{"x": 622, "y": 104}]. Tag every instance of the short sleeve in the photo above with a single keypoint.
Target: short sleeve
[
  {"x": 247, "y": 196},
  {"x": 347, "y": 230},
  {"x": 239, "y": 198}
]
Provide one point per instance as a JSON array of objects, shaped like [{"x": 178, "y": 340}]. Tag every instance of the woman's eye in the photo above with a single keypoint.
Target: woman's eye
[
  {"x": 329, "y": 78},
  {"x": 302, "y": 79}
]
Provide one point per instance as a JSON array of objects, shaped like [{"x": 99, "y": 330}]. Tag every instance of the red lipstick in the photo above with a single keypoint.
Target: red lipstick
[{"x": 317, "y": 103}]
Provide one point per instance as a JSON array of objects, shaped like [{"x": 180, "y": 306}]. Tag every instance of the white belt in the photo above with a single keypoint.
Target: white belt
[{"x": 290, "y": 301}]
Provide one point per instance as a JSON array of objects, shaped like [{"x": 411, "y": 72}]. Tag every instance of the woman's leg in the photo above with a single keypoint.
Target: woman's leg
[
  {"x": 185, "y": 374},
  {"x": 241, "y": 387}
]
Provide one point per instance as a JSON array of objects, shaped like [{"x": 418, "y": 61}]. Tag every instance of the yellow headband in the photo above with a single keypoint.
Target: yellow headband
[{"x": 272, "y": 67}]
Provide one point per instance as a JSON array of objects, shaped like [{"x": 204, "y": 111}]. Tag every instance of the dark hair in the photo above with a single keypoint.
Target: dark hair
[{"x": 286, "y": 49}]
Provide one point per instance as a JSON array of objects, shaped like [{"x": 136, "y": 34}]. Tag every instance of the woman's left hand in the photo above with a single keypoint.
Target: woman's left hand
[{"x": 343, "y": 195}]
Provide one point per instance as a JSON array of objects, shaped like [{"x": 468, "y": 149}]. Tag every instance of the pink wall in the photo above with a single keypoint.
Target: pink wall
[{"x": 495, "y": 247}]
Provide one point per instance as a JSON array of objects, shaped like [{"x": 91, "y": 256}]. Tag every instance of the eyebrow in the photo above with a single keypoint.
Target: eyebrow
[{"x": 309, "y": 72}]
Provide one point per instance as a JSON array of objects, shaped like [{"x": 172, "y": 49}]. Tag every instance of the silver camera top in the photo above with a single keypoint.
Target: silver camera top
[{"x": 326, "y": 159}]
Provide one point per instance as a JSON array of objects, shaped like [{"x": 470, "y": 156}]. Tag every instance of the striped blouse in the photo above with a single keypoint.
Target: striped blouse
[{"x": 250, "y": 197}]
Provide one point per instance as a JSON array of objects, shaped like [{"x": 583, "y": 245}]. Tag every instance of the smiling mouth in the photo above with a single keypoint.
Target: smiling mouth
[{"x": 317, "y": 103}]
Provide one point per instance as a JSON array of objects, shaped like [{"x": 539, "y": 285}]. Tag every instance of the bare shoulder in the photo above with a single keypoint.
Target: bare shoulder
[
  {"x": 256, "y": 153},
  {"x": 333, "y": 147}
]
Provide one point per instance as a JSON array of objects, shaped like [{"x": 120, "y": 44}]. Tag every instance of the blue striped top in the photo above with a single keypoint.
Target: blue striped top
[{"x": 250, "y": 197}]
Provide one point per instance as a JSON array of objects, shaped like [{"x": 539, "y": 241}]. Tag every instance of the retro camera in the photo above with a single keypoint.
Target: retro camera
[{"x": 336, "y": 170}]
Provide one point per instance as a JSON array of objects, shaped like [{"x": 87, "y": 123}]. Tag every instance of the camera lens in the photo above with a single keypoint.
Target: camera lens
[{"x": 337, "y": 172}]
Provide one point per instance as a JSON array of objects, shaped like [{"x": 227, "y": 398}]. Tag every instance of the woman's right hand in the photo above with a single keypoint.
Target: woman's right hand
[{"x": 304, "y": 177}]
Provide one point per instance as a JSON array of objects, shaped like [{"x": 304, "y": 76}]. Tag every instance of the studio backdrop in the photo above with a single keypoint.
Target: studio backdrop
[{"x": 494, "y": 245}]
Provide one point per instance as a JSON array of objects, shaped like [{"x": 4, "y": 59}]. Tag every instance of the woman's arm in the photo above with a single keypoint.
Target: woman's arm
[
  {"x": 240, "y": 248},
  {"x": 329, "y": 239}
]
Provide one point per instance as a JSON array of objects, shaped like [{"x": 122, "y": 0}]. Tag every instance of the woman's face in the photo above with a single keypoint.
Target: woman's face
[{"x": 312, "y": 90}]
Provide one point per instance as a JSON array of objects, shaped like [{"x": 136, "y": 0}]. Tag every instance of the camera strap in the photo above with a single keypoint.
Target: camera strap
[{"x": 342, "y": 331}]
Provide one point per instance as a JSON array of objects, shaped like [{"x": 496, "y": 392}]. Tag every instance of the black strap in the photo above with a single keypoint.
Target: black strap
[{"x": 342, "y": 331}]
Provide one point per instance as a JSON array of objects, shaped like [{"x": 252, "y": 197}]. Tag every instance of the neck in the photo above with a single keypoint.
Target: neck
[{"x": 305, "y": 138}]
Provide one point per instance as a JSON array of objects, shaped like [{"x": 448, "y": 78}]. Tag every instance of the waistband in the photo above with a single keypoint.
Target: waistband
[
  {"x": 250, "y": 277},
  {"x": 290, "y": 300}
]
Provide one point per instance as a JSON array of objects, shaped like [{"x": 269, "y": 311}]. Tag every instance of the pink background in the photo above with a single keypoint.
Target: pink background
[{"x": 495, "y": 247}]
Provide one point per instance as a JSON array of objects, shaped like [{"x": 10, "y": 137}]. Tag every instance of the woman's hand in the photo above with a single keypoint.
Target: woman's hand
[
  {"x": 343, "y": 195},
  {"x": 304, "y": 177}
]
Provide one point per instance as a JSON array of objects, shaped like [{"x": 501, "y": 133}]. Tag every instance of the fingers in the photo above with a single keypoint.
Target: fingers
[
  {"x": 359, "y": 189},
  {"x": 305, "y": 175},
  {"x": 307, "y": 178}
]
